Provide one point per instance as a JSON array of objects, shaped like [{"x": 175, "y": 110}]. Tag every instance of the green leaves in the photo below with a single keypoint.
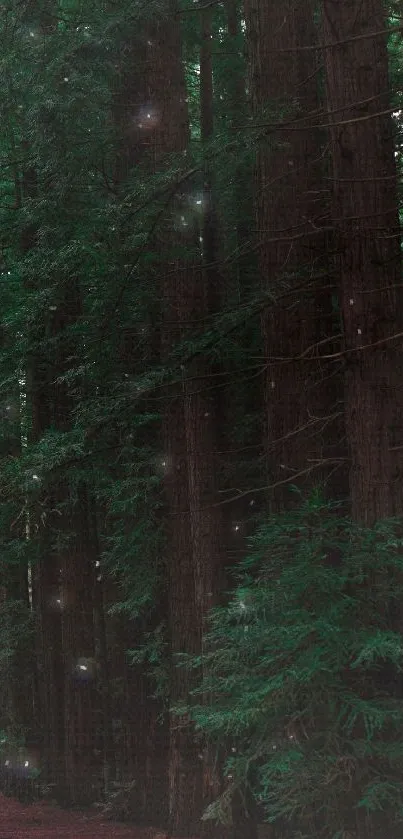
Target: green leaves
[{"x": 301, "y": 666}]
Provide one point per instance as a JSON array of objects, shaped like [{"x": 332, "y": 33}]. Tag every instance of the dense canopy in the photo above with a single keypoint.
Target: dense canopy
[{"x": 201, "y": 413}]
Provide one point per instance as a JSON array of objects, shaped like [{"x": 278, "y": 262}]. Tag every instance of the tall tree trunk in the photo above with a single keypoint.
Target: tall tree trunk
[
  {"x": 102, "y": 656},
  {"x": 46, "y": 602},
  {"x": 62, "y": 578},
  {"x": 204, "y": 417},
  {"x": 46, "y": 570},
  {"x": 365, "y": 213},
  {"x": 290, "y": 217},
  {"x": 17, "y": 668},
  {"x": 78, "y": 644},
  {"x": 365, "y": 217},
  {"x": 75, "y": 557},
  {"x": 194, "y": 530},
  {"x": 142, "y": 744},
  {"x": 237, "y": 108},
  {"x": 168, "y": 96}
]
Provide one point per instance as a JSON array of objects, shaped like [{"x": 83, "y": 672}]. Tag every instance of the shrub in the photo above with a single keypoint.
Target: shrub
[{"x": 302, "y": 668}]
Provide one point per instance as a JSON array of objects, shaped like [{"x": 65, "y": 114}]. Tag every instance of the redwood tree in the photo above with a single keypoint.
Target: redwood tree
[
  {"x": 194, "y": 527},
  {"x": 365, "y": 218},
  {"x": 291, "y": 215}
]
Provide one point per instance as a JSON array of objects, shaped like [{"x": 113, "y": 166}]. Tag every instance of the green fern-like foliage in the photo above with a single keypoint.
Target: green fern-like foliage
[{"x": 303, "y": 668}]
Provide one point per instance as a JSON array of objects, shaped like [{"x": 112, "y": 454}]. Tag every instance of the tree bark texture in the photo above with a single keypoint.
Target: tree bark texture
[
  {"x": 194, "y": 530},
  {"x": 168, "y": 96},
  {"x": 291, "y": 216},
  {"x": 365, "y": 217},
  {"x": 78, "y": 643}
]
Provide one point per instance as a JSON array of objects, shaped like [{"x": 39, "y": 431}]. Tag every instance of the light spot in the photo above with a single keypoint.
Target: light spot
[
  {"x": 359, "y": 332},
  {"x": 85, "y": 669},
  {"x": 147, "y": 113},
  {"x": 197, "y": 200},
  {"x": 351, "y": 301}
]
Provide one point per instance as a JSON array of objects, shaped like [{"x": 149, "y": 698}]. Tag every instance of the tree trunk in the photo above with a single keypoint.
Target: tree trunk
[
  {"x": 185, "y": 776},
  {"x": 75, "y": 561},
  {"x": 46, "y": 597},
  {"x": 203, "y": 421},
  {"x": 365, "y": 213},
  {"x": 45, "y": 571},
  {"x": 141, "y": 743},
  {"x": 185, "y": 766},
  {"x": 187, "y": 431},
  {"x": 290, "y": 220},
  {"x": 106, "y": 739},
  {"x": 365, "y": 217},
  {"x": 78, "y": 643}
]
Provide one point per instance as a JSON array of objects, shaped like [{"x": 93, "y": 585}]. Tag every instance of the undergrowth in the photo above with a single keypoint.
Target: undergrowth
[{"x": 302, "y": 668}]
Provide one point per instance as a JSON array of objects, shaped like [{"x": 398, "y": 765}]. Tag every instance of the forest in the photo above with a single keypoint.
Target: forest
[{"x": 201, "y": 413}]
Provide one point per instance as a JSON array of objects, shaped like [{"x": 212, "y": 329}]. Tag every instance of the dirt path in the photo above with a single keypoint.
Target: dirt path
[{"x": 42, "y": 821}]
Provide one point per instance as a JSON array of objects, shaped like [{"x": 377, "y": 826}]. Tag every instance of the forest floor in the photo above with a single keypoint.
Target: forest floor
[{"x": 42, "y": 821}]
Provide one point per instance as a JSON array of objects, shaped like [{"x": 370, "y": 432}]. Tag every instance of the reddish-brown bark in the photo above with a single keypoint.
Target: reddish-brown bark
[
  {"x": 194, "y": 525},
  {"x": 367, "y": 235},
  {"x": 290, "y": 218},
  {"x": 168, "y": 98}
]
